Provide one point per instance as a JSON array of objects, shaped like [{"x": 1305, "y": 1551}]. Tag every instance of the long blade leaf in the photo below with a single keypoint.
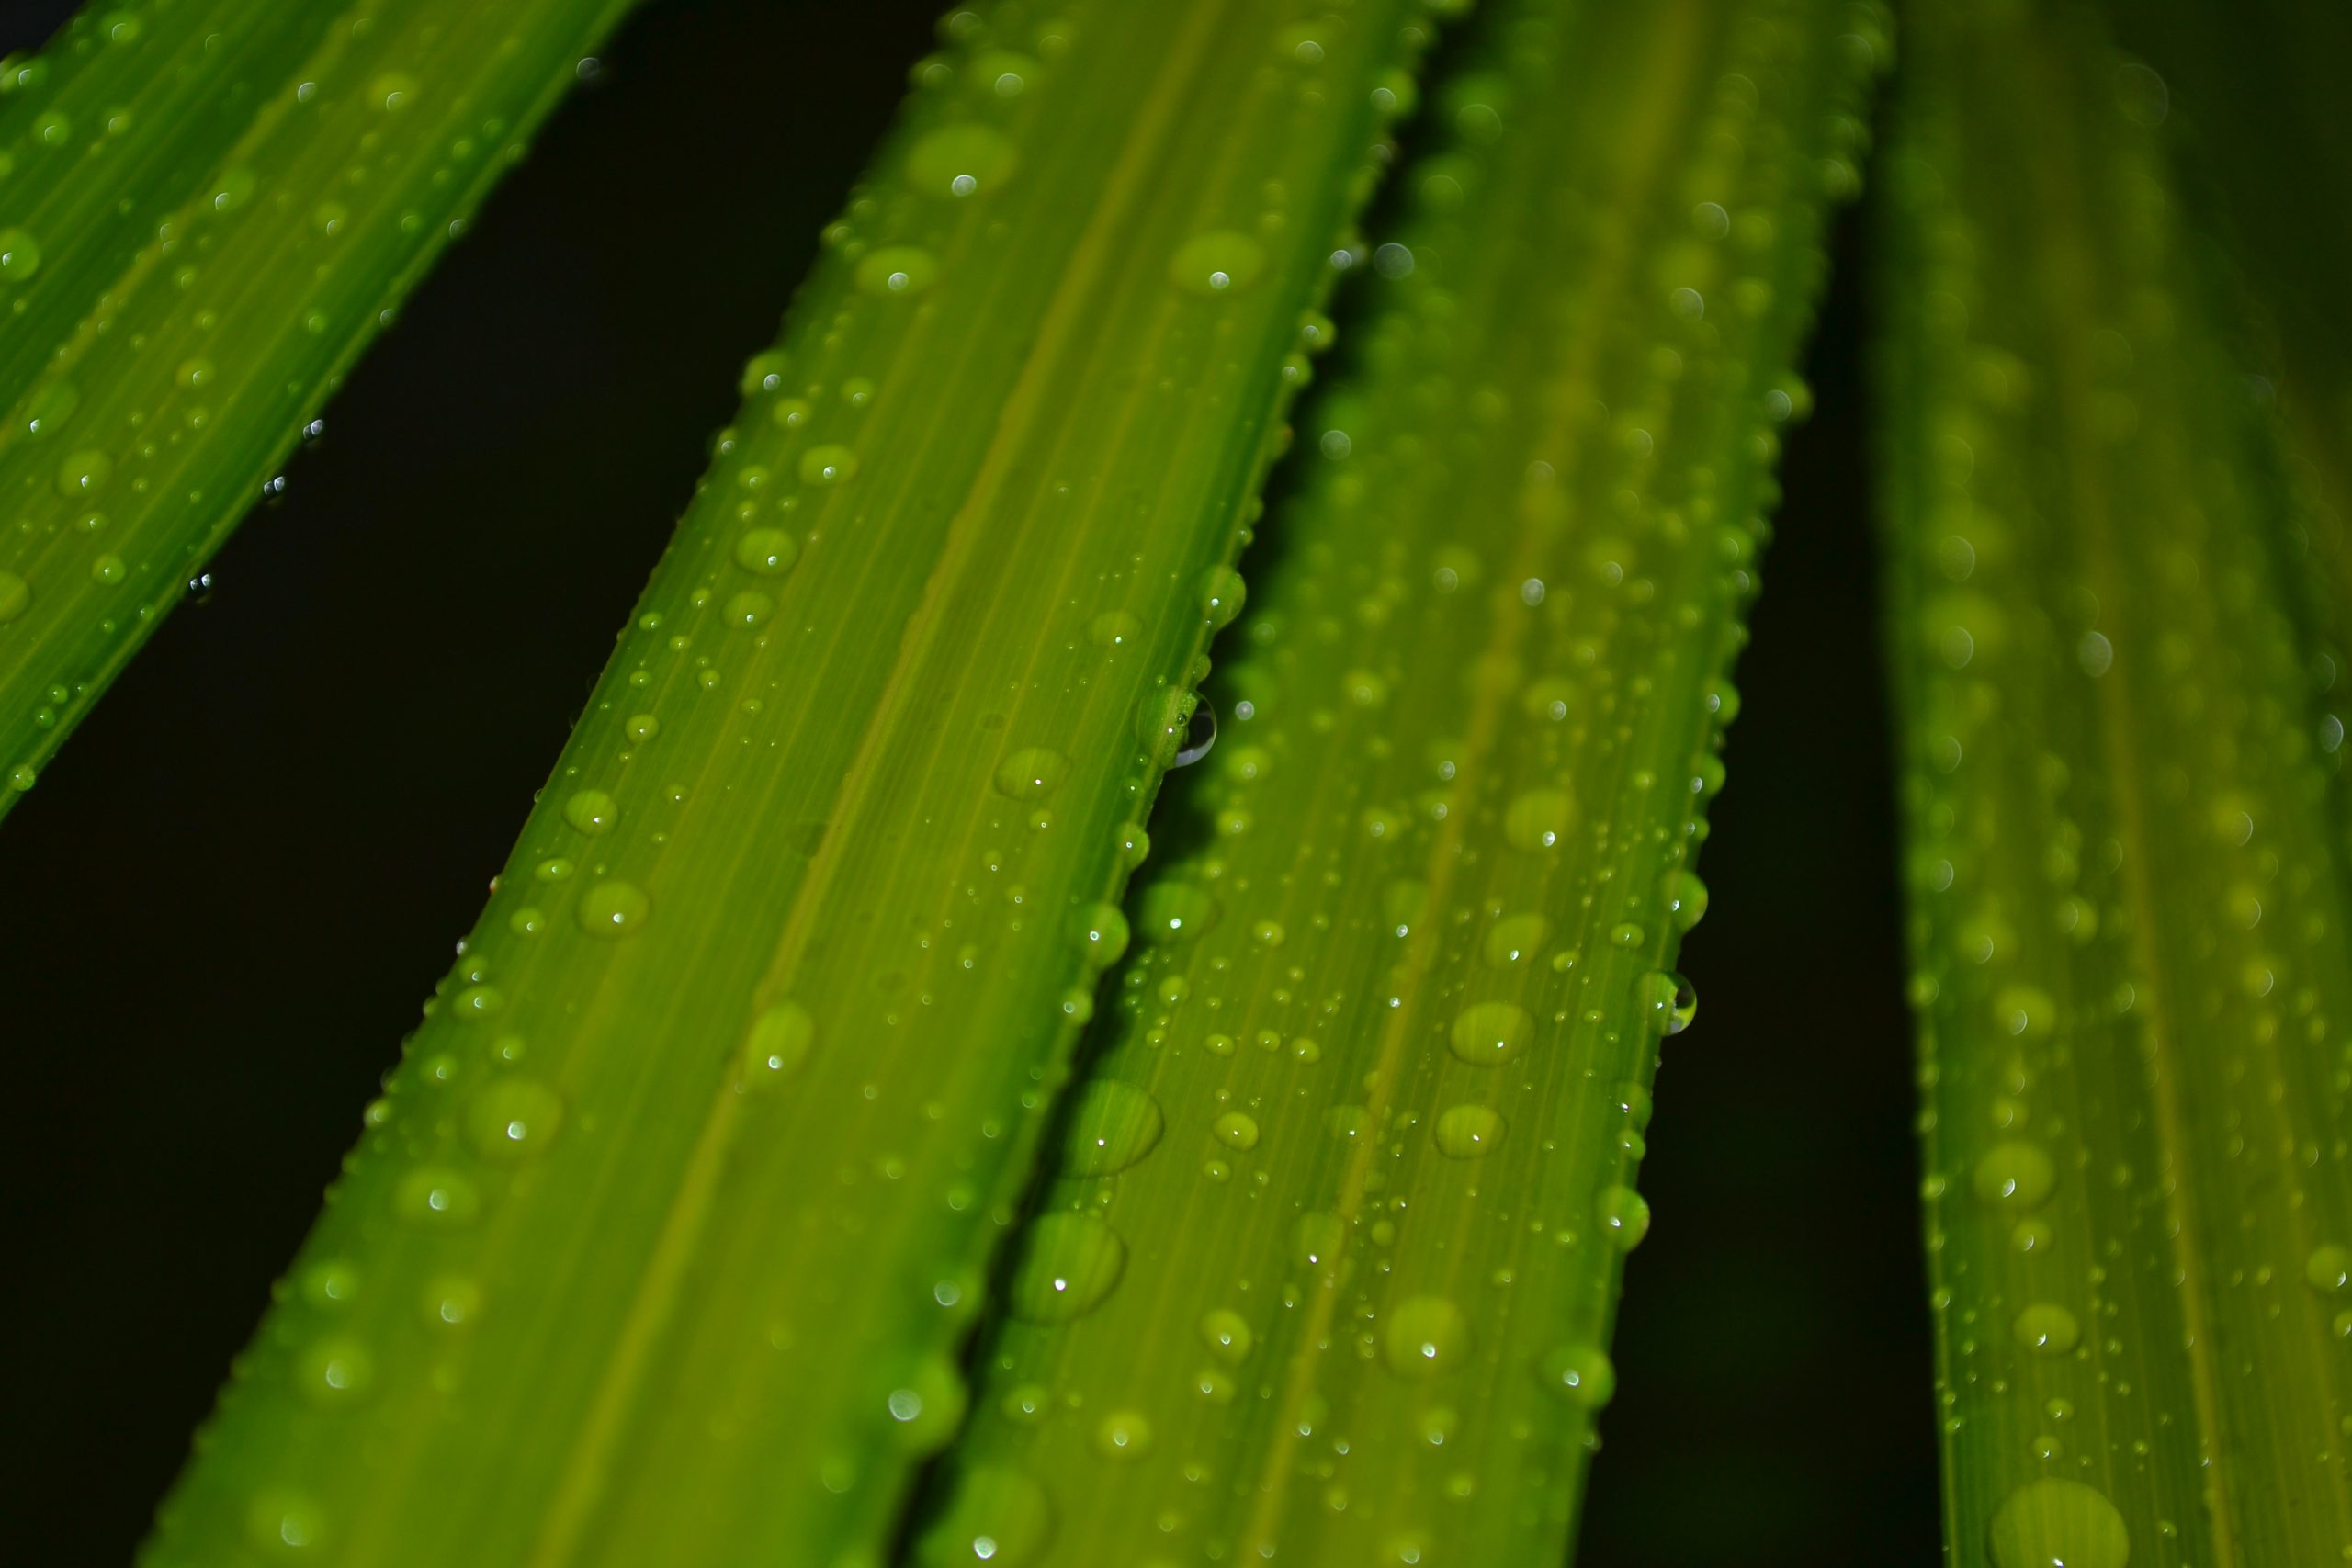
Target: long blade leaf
[
  {"x": 659, "y": 1247},
  {"x": 208, "y": 208},
  {"x": 2129, "y": 901},
  {"x": 1329, "y": 1268}
]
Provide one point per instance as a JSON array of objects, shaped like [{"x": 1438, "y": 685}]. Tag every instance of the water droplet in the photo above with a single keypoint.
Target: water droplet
[
  {"x": 2329, "y": 1269},
  {"x": 109, "y": 569},
  {"x": 1468, "y": 1132},
  {"x": 1237, "y": 1131},
  {"x": 19, "y": 254},
  {"x": 2051, "y": 1523},
  {"x": 768, "y": 551},
  {"x": 433, "y": 1195},
  {"x": 827, "y": 465},
  {"x": 1102, "y": 934},
  {"x": 591, "y": 811},
  {"x": 1114, "y": 628},
  {"x": 2047, "y": 1327},
  {"x": 2014, "y": 1176},
  {"x": 1031, "y": 773},
  {"x": 969, "y": 159},
  {"x": 1624, "y": 1215},
  {"x": 1200, "y": 734},
  {"x": 1516, "y": 939},
  {"x": 642, "y": 727},
  {"x": 1112, "y": 1125},
  {"x": 1222, "y": 595},
  {"x": 1426, "y": 1336},
  {"x": 897, "y": 272},
  {"x": 392, "y": 92},
  {"x": 1486, "y": 1034},
  {"x": 1673, "y": 1002},
  {"x": 777, "y": 1043},
  {"x": 1124, "y": 1433},
  {"x": 1173, "y": 910},
  {"x": 749, "y": 610},
  {"x": 83, "y": 474},
  {"x": 1228, "y": 1336},
  {"x": 1685, "y": 900},
  {"x": 1539, "y": 820},
  {"x": 514, "y": 1120},
  {"x": 336, "y": 1372},
  {"x": 1069, "y": 1261},
  {"x": 1582, "y": 1374},
  {"x": 1221, "y": 261},
  {"x": 281, "y": 1522},
  {"x": 1320, "y": 1236},
  {"x": 995, "y": 1516},
  {"x": 927, "y": 1407},
  {"x": 613, "y": 910},
  {"x": 15, "y": 595}
]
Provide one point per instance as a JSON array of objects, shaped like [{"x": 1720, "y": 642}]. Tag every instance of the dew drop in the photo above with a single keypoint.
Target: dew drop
[
  {"x": 1228, "y": 1336},
  {"x": 1426, "y": 1336},
  {"x": 19, "y": 254},
  {"x": 1102, "y": 934},
  {"x": 1222, "y": 595},
  {"x": 1515, "y": 939},
  {"x": 392, "y": 92},
  {"x": 1174, "y": 910},
  {"x": 433, "y": 1195},
  {"x": 335, "y": 1372},
  {"x": 1114, "y": 628},
  {"x": 768, "y": 551},
  {"x": 827, "y": 465},
  {"x": 2329, "y": 1269},
  {"x": 1237, "y": 1131},
  {"x": 777, "y": 1043},
  {"x": 2047, "y": 1327},
  {"x": 1624, "y": 1215},
  {"x": 1468, "y": 1132},
  {"x": 591, "y": 811},
  {"x": 897, "y": 272},
  {"x": 1124, "y": 1433},
  {"x": 1685, "y": 900},
  {"x": 1582, "y": 1374},
  {"x": 1538, "y": 819},
  {"x": 2053, "y": 1523},
  {"x": 613, "y": 910},
  {"x": 2015, "y": 1177},
  {"x": 15, "y": 595},
  {"x": 1221, "y": 261},
  {"x": 963, "y": 160},
  {"x": 1069, "y": 1262},
  {"x": 83, "y": 473},
  {"x": 1672, "y": 1000},
  {"x": 1031, "y": 773},
  {"x": 995, "y": 1514},
  {"x": 1200, "y": 734},
  {"x": 1486, "y": 1034},
  {"x": 1112, "y": 1125},
  {"x": 749, "y": 610}
]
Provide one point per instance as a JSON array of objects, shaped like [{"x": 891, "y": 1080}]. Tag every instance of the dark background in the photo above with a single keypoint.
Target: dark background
[{"x": 220, "y": 909}]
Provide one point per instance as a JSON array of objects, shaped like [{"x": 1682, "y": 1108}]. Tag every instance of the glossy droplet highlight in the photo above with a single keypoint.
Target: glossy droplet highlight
[
  {"x": 996, "y": 1516},
  {"x": 1515, "y": 939},
  {"x": 613, "y": 910},
  {"x": 1538, "y": 819},
  {"x": 1468, "y": 1132},
  {"x": 897, "y": 272},
  {"x": 768, "y": 551},
  {"x": 1069, "y": 1262},
  {"x": 1102, "y": 934},
  {"x": 2052, "y": 1523},
  {"x": 2014, "y": 1176},
  {"x": 2328, "y": 1269},
  {"x": 2049, "y": 1328},
  {"x": 1219, "y": 262},
  {"x": 1672, "y": 1000},
  {"x": 961, "y": 160},
  {"x": 1112, "y": 1125},
  {"x": 1581, "y": 1374},
  {"x": 1227, "y": 1336},
  {"x": 1426, "y": 1336},
  {"x": 1237, "y": 1131},
  {"x": 1031, "y": 773},
  {"x": 827, "y": 465},
  {"x": 591, "y": 811},
  {"x": 777, "y": 1043},
  {"x": 1488, "y": 1034},
  {"x": 1625, "y": 1216},
  {"x": 514, "y": 1120},
  {"x": 19, "y": 254}
]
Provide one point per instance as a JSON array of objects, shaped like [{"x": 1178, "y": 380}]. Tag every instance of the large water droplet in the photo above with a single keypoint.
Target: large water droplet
[
  {"x": 1174, "y": 911},
  {"x": 2052, "y": 1523},
  {"x": 613, "y": 910},
  {"x": 1468, "y": 1132},
  {"x": 514, "y": 1120},
  {"x": 1069, "y": 1261},
  {"x": 768, "y": 551},
  {"x": 777, "y": 1043},
  {"x": 2047, "y": 1327},
  {"x": 1031, "y": 773},
  {"x": 2014, "y": 1176},
  {"x": 961, "y": 160},
  {"x": 591, "y": 811},
  {"x": 1624, "y": 1215},
  {"x": 19, "y": 254},
  {"x": 1200, "y": 734},
  {"x": 1102, "y": 934},
  {"x": 1228, "y": 1335},
  {"x": 1489, "y": 1033},
  {"x": 1112, "y": 1125},
  {"x": 897, "y": 272},
  {"x": 1426, "y": 1336},
  {"x": 1673, "y": 1002},
  {"x": 1582, "y": 1374},
  {"x": 1222, "y": 261},
  {"x": 1516, "y": 939},
  {"x": 1539, "y": 820}
]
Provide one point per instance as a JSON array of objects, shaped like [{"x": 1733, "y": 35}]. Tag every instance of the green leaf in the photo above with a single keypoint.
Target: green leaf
[
  {"x": 1329, "y": 1266},
  {"x": 207, "y": 208},
  {"x": 2132, "y": 972},
  {"x": 660, "y": 1245}
]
